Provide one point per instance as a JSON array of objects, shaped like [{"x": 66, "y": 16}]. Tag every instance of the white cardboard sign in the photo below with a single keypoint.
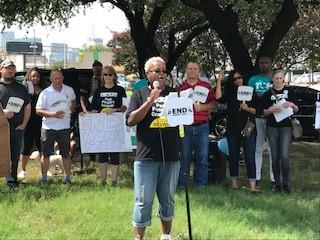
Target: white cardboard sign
[
  {"x": 188, "y": 93},
  {"x": 200, "y": 94},
  {"x": 245, "y": 93},
  {"x": 14, "y": 104},
  {"x": 179, "y": 111},
  {"x": 317, "y": 118},
  {"x": 60, "y": 103},
  {"x": 284, "y": 113}
]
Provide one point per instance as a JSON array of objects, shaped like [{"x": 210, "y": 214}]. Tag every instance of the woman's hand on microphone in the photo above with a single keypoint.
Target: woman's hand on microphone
[{"x": 154, "y": 94}]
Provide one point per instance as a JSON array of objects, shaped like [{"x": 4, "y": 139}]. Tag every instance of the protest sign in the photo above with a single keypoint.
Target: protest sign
[
  {"x": 244, "y": 93},
  {"x": 14, "y": 104}
]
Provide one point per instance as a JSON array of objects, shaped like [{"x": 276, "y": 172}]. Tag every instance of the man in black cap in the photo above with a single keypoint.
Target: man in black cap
[{"x": 15, "y": 101}]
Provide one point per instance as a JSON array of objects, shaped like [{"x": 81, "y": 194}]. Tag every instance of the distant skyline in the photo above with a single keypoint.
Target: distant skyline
[{"x": 97, "y": 23}]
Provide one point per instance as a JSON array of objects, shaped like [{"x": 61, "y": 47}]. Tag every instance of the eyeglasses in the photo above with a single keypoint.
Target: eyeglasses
[
  {"x": 157, "y": 71},
  {"x": 236, "y": 78},
  {"x": 108, "y": 74}
]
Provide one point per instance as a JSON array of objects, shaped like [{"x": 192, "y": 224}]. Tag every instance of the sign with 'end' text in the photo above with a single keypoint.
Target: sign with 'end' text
[{"x": 179, "y": 111}]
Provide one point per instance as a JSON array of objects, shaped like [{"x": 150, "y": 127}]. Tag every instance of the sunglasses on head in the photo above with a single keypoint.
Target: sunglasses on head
[{"x": 108, "y": 74}]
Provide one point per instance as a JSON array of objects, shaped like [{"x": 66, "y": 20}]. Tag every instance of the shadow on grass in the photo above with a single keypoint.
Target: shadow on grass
[{"x": 36, "y": 191}]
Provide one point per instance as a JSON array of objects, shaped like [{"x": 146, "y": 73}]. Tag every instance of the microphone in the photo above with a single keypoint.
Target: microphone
[{"x": 155, "y": 84}]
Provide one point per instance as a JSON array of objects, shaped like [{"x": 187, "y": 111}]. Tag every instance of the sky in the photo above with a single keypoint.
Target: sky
[{"x": 99, "y": 22}]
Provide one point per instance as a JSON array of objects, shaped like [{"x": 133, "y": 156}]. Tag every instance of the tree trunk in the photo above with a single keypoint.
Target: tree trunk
[
  {"x": 284, "y": 20},
  {"x": 144, "y": 44},
  {"x": 225, "y": 23}
]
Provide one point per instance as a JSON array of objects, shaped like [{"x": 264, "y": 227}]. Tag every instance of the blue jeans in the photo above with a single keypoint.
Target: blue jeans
[
  {"x": 261, "y": 143},
  {"x": 196, "y": 140},
  {"x": 249, "y": 145},
  {"x": 280, "y": 141},
  {"x": 151, "y": 177}
]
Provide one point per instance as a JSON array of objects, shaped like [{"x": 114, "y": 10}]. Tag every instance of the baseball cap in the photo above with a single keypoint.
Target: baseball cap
[{"x": 7, "y": 63}]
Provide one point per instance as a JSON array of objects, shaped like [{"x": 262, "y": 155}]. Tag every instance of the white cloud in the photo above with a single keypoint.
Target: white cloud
[{"x": 98, "y": 22}]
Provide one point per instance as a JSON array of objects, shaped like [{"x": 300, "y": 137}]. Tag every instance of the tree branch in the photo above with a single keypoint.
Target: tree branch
[
  {"x": 285, "y": 19},
  {"x": 182, "y": 46},
  {"x": 156, "y": 16}
]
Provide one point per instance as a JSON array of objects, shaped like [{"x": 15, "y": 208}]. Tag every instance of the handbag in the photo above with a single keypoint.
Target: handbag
[
  {"x": 248, "y": 129},
  {"x": 296, "y": 128}
]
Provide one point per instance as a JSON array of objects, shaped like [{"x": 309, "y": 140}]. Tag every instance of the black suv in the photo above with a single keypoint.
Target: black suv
[
  {"x": 306, "y": 115},
  {"x": 75, "y": 78}
]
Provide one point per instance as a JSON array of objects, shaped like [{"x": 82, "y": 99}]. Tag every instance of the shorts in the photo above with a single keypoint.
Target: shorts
[
  {"x": 31, "y": 136},
  {"x": 112, "y": 158},
  {"x": 48, "y": 137}
]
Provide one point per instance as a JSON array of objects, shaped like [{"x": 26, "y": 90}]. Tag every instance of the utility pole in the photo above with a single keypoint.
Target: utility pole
[{"x": 34, "y": 47}]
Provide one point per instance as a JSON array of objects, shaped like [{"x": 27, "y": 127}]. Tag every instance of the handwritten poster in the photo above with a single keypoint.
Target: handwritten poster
[{"x": 100, "y": 132}]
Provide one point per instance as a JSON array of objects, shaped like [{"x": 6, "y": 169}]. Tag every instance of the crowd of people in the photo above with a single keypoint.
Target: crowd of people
[{"x": 41, "y": 119}]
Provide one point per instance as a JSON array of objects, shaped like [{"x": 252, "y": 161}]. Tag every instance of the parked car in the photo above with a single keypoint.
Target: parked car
[
  {"x": 307, "y": 78},
  {"x": 306, "y": 115}
]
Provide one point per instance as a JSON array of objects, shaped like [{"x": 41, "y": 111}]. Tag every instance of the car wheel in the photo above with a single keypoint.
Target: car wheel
[{"x": 220, "y": 126}]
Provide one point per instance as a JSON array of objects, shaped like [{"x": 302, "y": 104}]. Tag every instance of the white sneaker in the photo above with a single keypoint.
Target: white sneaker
[
  {"x": 137, "y": 237},
  {"x": 49, "y": 174},
  {"x": 22, "y": 174},
  {"x": 166, "y": 237}
]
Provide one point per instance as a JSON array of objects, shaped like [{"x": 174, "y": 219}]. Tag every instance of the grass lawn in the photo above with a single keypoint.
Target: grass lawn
[{"x": 87, "y": 210}]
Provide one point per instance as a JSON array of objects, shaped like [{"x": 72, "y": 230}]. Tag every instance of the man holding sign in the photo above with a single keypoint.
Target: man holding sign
[
  {"x": 55, "y": 104},
  {"x": 16, "y": 105},
  {"x": 156, "y": 165},
  {"x": 197, "y": 134}
]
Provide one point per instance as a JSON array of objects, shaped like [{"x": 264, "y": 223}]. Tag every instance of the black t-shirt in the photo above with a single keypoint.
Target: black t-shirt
[
  {"x": 108, "y": 98},
  {"x": 17, "y": 90},
  {"x": 87, "y": 90},
  {"x": 237, "y": 118},
  {"x": 149, "y": 139},
  {"x": 268, "y": 99},
  {"x": 35, "y": 119}
]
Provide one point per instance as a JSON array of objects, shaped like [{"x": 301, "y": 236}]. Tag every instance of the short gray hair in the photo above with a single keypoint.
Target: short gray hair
[
  {"x": 150, "y": 61},
  {"x": 55, "y": 71},
  {"x": 278, "y": 71}
]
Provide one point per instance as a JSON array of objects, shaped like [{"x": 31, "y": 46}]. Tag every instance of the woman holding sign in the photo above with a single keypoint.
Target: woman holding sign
[
  {"x": 32, "y": 132},
  {"x": 239, "y": 112},
  {"x": 108, "y": 99},
  {"x": 279, "y": 104}
]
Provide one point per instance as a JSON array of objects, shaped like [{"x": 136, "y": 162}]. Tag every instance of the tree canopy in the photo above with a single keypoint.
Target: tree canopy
[{"x": 245, "y": 29}]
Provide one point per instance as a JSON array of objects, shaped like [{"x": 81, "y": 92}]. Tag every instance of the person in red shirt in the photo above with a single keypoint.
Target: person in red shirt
[{"x": 196, "y": 139}]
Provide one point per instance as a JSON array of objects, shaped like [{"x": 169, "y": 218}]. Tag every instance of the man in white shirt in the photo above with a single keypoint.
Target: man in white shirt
[{"x": 55, "y": 104}]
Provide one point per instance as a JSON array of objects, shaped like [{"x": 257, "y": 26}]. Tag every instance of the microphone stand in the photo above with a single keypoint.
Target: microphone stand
[{"x": 181, "y": 133}]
